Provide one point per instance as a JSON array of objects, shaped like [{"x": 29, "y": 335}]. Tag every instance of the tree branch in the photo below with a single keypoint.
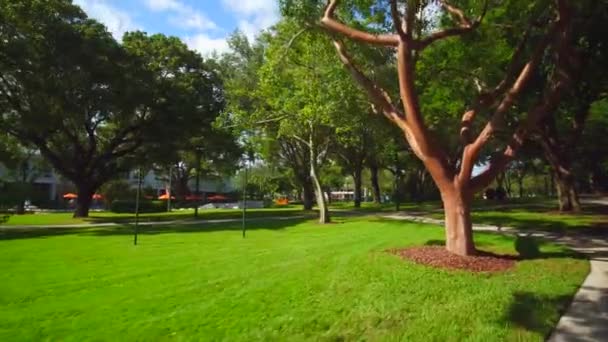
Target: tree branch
[
  {"x": 410, "y": 18},
  {"x": 397, "y": 18},
  {"x": 471, "y": 151},
  {"x": 333, "y": 25},
  {"x": 486, "y": 99},
  {"x": 465, "y": 25},
  {"x": 378, "y": 95},
  {"x": 561, "y": 79},
  {"x": 546, "y": 106}
]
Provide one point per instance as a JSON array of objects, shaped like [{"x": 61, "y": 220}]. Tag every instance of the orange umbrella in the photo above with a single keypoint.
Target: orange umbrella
[
  {"x": 217, "y": 198},
  {"x": 164, "y": 197},
  {"x": 97, "y": 196},
  {"x": 70, "y": 195}
]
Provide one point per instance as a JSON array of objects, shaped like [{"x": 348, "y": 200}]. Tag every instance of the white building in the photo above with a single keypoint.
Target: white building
[
  {"x": 152, "y": 180},
  {"x": 50, "y": 182}
]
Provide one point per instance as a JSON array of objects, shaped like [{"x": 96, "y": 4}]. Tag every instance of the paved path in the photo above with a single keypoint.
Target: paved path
[{"x": 586, "y": 320}]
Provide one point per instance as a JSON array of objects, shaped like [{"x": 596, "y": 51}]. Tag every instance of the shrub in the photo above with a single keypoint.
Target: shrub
[
  {"x": 118, "y": 189},
  {"x": 145, "y": 206},
  {"x": 490, "y": 194}
]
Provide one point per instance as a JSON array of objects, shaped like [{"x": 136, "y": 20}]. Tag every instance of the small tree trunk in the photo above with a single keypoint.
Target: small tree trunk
[
  {"x": 520, "y": 182},
  {"x": 560, "y": 161},
  {"x": 83, "y": 202},
  {"x": 308, "y": 194},
  {"x": 373, "y": 169},
  {"x": 358, "y": 191},
  {"x": 21, "y": 207},
  {"x": 458, "y": 224},
  {"x": 397, "y": 192},
  {"x": 566, "y": 193},
  {"x": 321, "y": 202}
]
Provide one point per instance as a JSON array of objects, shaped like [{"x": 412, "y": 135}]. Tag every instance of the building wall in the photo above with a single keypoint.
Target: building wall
[{"x": 56, "y": 186}]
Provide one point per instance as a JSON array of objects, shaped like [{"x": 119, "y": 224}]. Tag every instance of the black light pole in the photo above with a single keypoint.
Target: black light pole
[
  {"x": 137, "y": 206},
  {"x": 198, "y": 181},
  {"x": 248, "y": 159},
  {"x": 244, "y": 199}
]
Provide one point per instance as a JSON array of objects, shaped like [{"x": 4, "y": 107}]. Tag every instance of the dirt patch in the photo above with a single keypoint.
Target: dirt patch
[{"x": 439, "y": 257}]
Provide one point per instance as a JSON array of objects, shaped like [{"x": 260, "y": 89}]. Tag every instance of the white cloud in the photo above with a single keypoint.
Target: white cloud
[
  {"x": 117, "y": 21},
  {"x": 205, "y": 44},
  {"x": 163, "y": 5},
  {"x": 194, "y": 20},
  {"x": 183, "y": 16},
  {"x": 253, "y": 15},
  {"x": 251, "y": 7}
]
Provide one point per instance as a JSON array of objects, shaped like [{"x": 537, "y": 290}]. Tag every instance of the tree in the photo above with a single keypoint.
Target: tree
[
  {"x": 410, "y": 36},
  {"x": 293, "y": 101},
  {"x": 23, "y": 167},
  {"x": 250, "y": 114},
  {"x": 593, "y": 153},
  {"x": 560, "y": 135},
  {"x": 353, "y": 139},
  {"x": 87, "y": 103}
]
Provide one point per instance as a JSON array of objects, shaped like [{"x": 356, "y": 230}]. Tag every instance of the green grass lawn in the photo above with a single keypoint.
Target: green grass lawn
[
  {"x": 45, "y": 219},
  {"x": 287, "y": 280}
]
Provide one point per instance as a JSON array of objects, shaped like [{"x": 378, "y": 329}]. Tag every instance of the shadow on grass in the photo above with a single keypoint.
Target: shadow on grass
[
  {"x": 527, "y": 247},
  {"x": 128, "y": 229},
  {"x": 530, "y": 311},
  {"x": 189, "y": 216}
]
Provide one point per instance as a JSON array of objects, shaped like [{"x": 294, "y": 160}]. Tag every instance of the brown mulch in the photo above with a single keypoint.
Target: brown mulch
[{"x": 439, "y": 257}]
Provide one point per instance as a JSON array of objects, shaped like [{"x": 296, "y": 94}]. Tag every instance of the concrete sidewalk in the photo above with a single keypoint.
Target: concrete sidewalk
[{"x": 586, "y": 319}]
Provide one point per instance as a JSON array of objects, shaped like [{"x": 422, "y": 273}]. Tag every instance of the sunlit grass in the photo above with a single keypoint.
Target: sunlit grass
[{"x": 287, "y": 280}]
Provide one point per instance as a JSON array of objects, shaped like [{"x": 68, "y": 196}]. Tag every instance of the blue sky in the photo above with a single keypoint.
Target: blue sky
[{"x": 203, "y": 24}]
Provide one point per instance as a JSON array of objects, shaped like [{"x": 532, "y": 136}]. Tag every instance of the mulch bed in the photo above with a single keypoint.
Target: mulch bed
[{"x": 439, "y": 257}]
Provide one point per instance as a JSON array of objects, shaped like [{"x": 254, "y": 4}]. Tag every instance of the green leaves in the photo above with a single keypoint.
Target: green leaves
[{"x": 94, "y": 107}]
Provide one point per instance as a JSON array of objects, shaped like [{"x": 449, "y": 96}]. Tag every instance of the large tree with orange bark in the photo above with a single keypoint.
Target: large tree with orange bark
[{"x": 410, "y": 27}]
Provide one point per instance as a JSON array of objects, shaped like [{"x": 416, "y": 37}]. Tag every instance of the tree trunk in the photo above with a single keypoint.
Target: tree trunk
[
  {"x": 321, "y": 202},
  {"x": 328, "y": 195},
  {"x": 458, "y": 224},
  {"x": 563, "y": 176},
  {"x": 358, "y": 191},
  {"x": 21, "y": 207},
  {"x": 520, "y": 182},
  {"x": 373, "y": 169},
  {"x": 84, "y": 200},
  {"x": 308, "y": 194},
  {"x": 397, "y": 192},
  {"x": 566, "y": 192}
]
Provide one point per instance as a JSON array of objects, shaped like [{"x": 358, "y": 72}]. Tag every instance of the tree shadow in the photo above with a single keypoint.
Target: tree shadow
[
  {"x": 527, "y": 247},
  {"x": 530, "y": 311},
  {"x": 189, "y": 216},
  {"x": 128, "y": 229},
  {"x": 574, "y": 225}
]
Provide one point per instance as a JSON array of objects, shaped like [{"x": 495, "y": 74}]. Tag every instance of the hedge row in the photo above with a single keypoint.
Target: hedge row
[{"x": 145, "y": 206}]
